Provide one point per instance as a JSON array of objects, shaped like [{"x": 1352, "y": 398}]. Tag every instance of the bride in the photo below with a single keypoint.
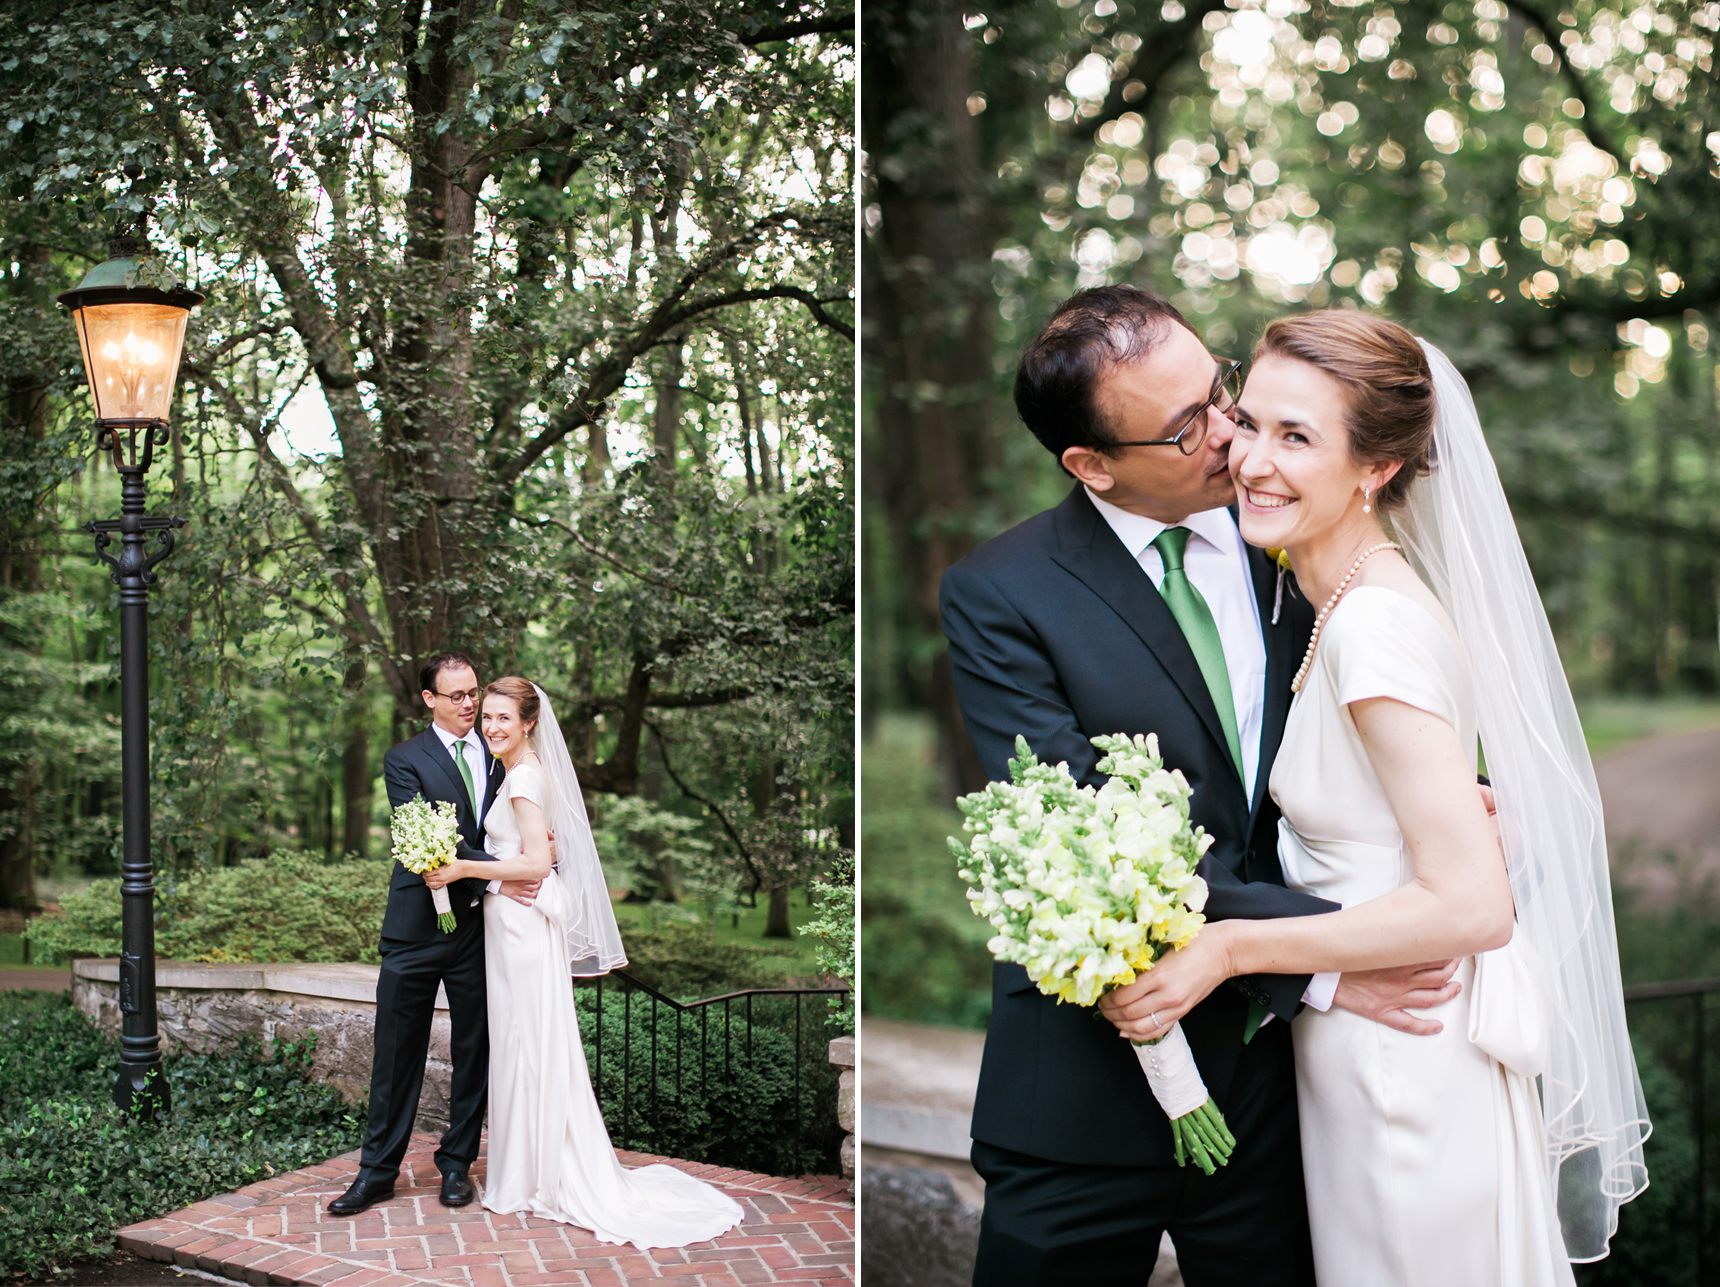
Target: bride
[
  {"x": 1497, "y": 1148},
  {"x": 549, "y": 1153}
]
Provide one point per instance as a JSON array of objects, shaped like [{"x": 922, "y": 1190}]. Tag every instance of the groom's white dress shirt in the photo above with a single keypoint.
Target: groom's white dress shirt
[
  {"x": 475, "y": 763},
  {"x": 1216, "y": 562}
]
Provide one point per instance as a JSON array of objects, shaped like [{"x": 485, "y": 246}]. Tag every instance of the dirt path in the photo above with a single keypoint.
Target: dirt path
[
  {"x": 57, "y": 978},
  {"x": 1662, "y": 794}
]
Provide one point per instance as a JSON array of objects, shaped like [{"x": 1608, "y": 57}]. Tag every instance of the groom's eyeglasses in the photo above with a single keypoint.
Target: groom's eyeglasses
[
  {"x": 460, "y": 699},
  {"x": 1189, "y": 435}
]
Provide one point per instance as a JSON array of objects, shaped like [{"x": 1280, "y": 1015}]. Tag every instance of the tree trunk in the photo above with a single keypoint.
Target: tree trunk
[
  {"x": 420, "y": 515},
  {"x": 776, "y": 923},
  {"x": 18, "y": 851},
  {"x": 25, "y": 421},
  {"x": 928, "y": 309},
  {"x": 355, "y": 766},
  {"x": 666, "y": 419},
  {"x": 596, "y": 452}
]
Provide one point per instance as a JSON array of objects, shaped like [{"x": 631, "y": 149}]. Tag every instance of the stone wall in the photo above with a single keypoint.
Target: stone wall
[
  {"x": 204, "y": 1007},
  {"x": 842, "y": 1055}
]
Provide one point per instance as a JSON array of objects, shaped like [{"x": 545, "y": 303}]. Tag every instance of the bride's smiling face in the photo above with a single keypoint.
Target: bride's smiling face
[
  {"x": 505, "y": 733},
  {"x": 1296, "y": 478}
]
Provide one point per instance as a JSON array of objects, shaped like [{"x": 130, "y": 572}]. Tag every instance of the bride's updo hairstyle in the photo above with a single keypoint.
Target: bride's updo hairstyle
[
  {"x": 521, "y": 692},
  {"x": 1379, "y": 363}
]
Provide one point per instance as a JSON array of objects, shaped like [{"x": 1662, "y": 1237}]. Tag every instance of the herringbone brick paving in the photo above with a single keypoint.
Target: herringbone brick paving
[{"x": 276, "y": 1234}]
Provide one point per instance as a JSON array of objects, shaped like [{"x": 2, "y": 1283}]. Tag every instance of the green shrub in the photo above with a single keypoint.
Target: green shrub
[
  {"x": 924, "y": 956},
  {"x": 300, "y": 907},
  {"x": 88, "y": 925},
  {"x": 73, "y": 1169},
  {"x": 724, "y": 1090},
  {"x": 1656, "y": 1241},
  {"x": 287, "y": 907},
  {"x": 834, "y": 931},
  {"x": 686, "y": 960}
]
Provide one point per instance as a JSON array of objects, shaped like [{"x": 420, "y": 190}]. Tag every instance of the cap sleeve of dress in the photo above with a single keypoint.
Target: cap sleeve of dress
[
  {"x": 1380, "y": 643},
  {"x": 526, "y": 782}
]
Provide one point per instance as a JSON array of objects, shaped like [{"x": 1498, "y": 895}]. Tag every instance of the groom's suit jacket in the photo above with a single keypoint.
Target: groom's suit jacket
[
  {"x": 422, "y": 765},
  {"x": 1057, "y": 634}
]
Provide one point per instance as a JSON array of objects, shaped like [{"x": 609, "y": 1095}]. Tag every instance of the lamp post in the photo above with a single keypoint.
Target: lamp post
[{"x": 131, "y": 338}]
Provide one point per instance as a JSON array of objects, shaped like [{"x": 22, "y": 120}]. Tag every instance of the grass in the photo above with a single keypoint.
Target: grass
[{"x": 1612, "y": 722}]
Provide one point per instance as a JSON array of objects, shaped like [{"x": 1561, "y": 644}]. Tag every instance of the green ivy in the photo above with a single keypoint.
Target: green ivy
[{"x": 73, "y": 1169}]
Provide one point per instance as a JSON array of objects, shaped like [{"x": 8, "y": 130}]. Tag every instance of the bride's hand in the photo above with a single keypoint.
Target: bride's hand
[
  {"x": 442, "y": 877},
  {"x": 1146, "y": 1008}
]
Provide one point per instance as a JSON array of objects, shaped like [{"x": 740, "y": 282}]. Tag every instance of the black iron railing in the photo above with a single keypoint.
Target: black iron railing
[
  {"x": 1696, "y": 993},
  {"x": 723, "y": 1044}
]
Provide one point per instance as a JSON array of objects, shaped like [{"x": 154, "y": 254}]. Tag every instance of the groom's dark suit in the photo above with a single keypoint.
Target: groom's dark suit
[
  {"x": 1057, "y": 634},
  {"x": 417, "y": 956}
]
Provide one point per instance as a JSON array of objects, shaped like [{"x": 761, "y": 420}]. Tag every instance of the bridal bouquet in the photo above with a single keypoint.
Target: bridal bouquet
[
  {"x": 1087, "y": 887},
  {"x": 424, "y": 839}
]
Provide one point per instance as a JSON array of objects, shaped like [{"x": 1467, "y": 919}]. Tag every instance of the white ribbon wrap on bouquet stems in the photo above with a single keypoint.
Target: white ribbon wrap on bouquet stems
[
  {"x": 439, "y": 900},
  {"x": 1170, "y": 1069}
]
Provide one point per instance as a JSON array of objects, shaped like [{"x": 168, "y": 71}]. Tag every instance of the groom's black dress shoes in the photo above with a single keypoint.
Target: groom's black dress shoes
[
  {"x": 457, "y": 1190},
  {"x": 362, "y": 1194}
]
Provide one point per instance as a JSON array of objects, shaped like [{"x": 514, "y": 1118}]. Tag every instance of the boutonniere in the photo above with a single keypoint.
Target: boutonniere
[{"x": 1283, "y": 561}]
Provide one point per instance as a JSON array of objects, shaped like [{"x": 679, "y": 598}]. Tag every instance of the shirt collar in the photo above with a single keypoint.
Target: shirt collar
[
  {"x": 471, "y": 739},
  {"x": 1137, "y": 532}
]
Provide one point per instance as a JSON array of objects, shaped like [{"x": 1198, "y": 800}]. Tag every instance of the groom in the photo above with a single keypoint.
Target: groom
[
  {"x": 446, "y": 762},
  {"x": 1134, "y": 606}
]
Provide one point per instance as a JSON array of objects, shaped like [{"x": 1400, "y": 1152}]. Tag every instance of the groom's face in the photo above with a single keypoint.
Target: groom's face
[
  {"x": 453, "y": 702},
  {"x": 1151, "y": 398}
]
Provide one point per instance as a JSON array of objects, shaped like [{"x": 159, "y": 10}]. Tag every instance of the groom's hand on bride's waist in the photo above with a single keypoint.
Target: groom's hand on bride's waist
[
  {"x": 524, "y": 892},
  {"x": 1387, "y": 996}
]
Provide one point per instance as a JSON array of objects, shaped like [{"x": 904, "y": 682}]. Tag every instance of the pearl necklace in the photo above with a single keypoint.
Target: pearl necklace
[{"x": 1320, "y": 621}]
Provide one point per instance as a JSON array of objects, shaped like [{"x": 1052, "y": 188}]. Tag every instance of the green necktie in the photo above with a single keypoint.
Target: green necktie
[
  {"x": 1201, "y": 631},
  {"x": 466, "y": 774}
]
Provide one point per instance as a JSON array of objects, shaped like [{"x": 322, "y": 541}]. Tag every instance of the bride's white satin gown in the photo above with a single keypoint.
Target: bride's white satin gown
[
  {"x": 549, "y": 1152},
  {"x": 1424, "y": 1156}
]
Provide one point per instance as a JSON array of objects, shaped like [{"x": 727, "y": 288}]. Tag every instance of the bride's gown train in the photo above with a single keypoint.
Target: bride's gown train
[
  {"x": 1424, "y": 1156},
  {"x": 549, "y": 1152}
]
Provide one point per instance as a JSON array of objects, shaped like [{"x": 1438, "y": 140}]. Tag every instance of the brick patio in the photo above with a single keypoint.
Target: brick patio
[{"x": 277, "y": 1232}]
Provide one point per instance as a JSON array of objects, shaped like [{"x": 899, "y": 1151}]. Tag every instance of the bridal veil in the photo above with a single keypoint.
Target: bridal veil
[
  {"x": 1457, "y": 528},
  {"x": 593, "y": 939}
]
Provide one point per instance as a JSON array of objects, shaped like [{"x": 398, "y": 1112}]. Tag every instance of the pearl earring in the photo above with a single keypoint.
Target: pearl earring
[{"x": 1365, "y": 491}]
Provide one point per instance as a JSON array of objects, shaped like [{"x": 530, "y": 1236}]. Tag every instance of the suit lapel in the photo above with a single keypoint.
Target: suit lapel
[
  {"x": 1091, "y": 552},
  {"x": 1281, "y": 660},
  {"x": 493, "y": 775},
  {"x": 444, "y": 761}
]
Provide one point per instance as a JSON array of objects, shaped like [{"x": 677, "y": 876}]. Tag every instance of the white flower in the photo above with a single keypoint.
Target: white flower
[{"x": 1085, "y": 887}]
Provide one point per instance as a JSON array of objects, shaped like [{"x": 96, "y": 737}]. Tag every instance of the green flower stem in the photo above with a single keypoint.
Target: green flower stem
[
  {"x": 1196, "y": 1147},
  {"x": 1217, "y": 1119},
  {"x": 1209, "y": 1137},
  {"x": 1204, "y": 1136},
  {"x": 446, "y": 921},
  {"x": 1211, "y": 1124}
]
